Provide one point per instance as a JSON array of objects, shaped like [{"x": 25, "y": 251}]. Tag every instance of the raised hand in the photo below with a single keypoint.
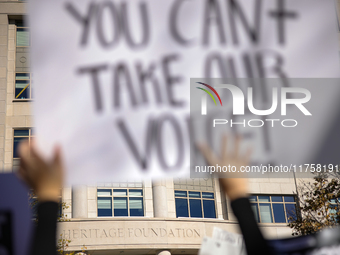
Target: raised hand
[{"x": 233, "y": 187}]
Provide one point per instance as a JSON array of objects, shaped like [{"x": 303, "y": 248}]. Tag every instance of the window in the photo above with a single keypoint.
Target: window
[
  {"x": 23, "y": 88},
  {"x": 273, "y": 209},
  {"x": 195, "y": 204},
  {"x": 33, "y": 203},
  {"x": 120, "y": 202},
  {"x": 23, "y": 36},
  {"x": 334, "y": 208},
  {"x": 20, "y": 135},
  {"x": 23, "y": 79}
]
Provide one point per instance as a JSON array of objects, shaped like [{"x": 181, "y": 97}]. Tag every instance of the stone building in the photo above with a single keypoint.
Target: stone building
[{"x": 133, "y": 217}]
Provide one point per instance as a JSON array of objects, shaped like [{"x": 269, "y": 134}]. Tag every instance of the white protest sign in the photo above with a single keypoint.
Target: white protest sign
[
  {"x": 225, "y": 236},
  {"x": 111, "y": 78},
  {"x": 222, "y": 242},
  {"x": 211, "y": 246}
]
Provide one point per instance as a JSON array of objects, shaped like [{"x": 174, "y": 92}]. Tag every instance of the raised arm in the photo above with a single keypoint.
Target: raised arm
[
  {"x": 237, "y": 191},
  {"x": 46, "y": 179}
]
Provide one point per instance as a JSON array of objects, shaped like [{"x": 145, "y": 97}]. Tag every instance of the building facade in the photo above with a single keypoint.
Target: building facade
[
  {"x": 166, "y": 216},
  {"x": 134, "y": 217}
]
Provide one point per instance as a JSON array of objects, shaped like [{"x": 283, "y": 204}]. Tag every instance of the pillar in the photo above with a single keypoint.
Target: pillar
[
  {"x": 165, "y": 252},
  {"x": 160, "y": 201},
  {"x": 79, "y": 202},
  {"x": 6, "y": 154}
]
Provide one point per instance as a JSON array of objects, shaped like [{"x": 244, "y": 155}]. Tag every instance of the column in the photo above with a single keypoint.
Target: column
[
  {"x": 5, "y": 157},
  {"x": 79, "y": 202},
  {"x": 163, "y": 252},
  {"x": 160, "y": 201}
]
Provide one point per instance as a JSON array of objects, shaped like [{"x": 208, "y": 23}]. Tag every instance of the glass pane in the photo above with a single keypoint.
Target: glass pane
[
  {"x": 266, "y": 213},
  {"x": 209, "y": 209},
  {"x": 277, "y": 199},
  {"x": 253, "y": 198},
  {"x": 21, "y": 84},
  {"x": 289, "y": 199},
  {"x": 194, "y": 194},
  {"x": 181, "y": 207},
  {"x": 279, "y": 213},
  {"x": 16, "y": 164},
  {"x": 104, "y": 206},
  {"x": 104, "y": 213},
  {"x": 136, "y": 206},
  {"x": 16, "y": 142},
  {"x": 333, "y": 211},
  {"x": 104, "y": 203},
  {"x": 23, "y": 37},
  {"x": 256, "y": 212},
  {"x": 22, "y": 76},
  {"x": 136, "y": 203},
  {"x": 21, "y": 132},
  {"x": 120, "y": 206},
  {"x": 180, "y": 193},
  {"x": 291, "y": 212},
  {"x": 120, "y": 192},
  {"x": 135, "y": 192},
  {"x": 104, "y": 192},
  {"x": 33, "y": 202},
  {"x": 195, "y": 208},
  {"x": 120, "y": 203},
  {"x": 207, "y": 195},
  {"x": 333, "y": 201},
  {"x": 22, "y": 89},
  {"x": 264, "y": 199}
]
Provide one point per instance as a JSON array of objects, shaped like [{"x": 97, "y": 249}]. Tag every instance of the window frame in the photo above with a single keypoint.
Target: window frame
[
  {"x": 30, "y": 87},
  {"x": 127, "y": 197},
  {"x": 257, "y": 202},
  {"x": 200, "y": 198}
]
